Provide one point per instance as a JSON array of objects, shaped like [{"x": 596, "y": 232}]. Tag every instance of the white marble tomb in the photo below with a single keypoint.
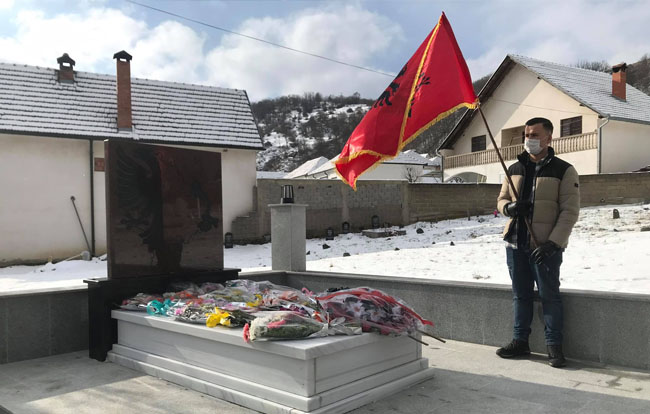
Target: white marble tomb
[{"x": 321, "y": 375}]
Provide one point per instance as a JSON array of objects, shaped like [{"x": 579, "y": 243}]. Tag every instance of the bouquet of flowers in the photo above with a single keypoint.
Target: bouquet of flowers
[
  {"x": 375, "y": 310},
  {"x": 283, "y": 325},
  {"x": 193, "y": 312},
  {"x": 139, "y": 302},
  {"x": 277, "y": 297},
  {"x": 231, "y": 319}
]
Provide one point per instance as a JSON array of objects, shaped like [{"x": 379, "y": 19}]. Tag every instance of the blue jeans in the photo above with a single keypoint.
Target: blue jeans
[{"x": 525, "y": 274}]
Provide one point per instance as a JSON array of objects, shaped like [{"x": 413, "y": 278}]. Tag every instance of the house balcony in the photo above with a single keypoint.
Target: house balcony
[{"x": 572, "y": 143}]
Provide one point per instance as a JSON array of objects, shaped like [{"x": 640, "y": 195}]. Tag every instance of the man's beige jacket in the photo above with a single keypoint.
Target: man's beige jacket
[{"x": 556, "y": 198}]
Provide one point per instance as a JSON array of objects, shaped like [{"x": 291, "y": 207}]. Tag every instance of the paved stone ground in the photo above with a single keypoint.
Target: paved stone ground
[{"x": 469, "y": 379}]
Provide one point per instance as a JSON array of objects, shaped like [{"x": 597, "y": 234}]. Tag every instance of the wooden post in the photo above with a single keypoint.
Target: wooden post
[{"x": 512, "y": 186}]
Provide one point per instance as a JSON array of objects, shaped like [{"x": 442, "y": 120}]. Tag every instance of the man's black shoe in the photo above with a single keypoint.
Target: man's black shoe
[
  {"x": 555, "y": 356},
  {"x": 514, "y": 349}
]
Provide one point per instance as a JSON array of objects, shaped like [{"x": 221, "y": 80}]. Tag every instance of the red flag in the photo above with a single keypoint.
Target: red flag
[{"x": 434, "y": 83}]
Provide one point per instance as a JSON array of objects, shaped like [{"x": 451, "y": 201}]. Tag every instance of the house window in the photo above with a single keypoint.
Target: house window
[
  {"x": 571, "y": 126},
  {"x": 478, "y": 143}
]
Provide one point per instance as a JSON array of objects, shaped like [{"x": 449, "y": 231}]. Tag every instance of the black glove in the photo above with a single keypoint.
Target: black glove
[
  {"x": 518, "y": 208},
  {"x": 546, "y": 250}
]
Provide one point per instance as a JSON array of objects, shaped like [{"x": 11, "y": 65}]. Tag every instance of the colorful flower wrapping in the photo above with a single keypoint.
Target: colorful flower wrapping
[
  {"x": 286, "y": 313},
  {"x": 375, "y": 310},
  {"x": 283, "y": 325},
  {"x": 230, "y": 319},
  {"x": 139, "y": 302}
]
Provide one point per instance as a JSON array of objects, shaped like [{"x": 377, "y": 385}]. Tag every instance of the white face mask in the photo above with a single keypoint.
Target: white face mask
[{"x": 532, "y": 146}]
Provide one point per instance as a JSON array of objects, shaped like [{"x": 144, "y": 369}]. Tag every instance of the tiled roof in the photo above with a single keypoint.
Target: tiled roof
[
  {"x": 32, "y": 101},
  {"x": 592, "y": 89}
]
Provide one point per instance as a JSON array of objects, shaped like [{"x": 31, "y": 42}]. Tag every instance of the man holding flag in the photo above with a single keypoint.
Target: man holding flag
[
  {"x": 434, "y": 83},
  {"x": 548, "y": 197}
]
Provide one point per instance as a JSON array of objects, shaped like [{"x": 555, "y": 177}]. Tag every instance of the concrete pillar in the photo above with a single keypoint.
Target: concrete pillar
[{"x": 288, "y": 237}]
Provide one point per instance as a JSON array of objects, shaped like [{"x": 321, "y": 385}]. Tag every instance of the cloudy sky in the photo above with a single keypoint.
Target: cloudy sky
[{"x": 377, "y": 34}]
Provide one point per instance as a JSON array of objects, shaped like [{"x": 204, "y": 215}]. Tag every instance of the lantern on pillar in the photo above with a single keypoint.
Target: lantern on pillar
[
  {"x": 228, "y": 242},
  {"x": 287, "y": 194}
]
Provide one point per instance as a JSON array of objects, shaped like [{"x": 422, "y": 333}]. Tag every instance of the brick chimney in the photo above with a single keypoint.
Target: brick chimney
[
  {"x": 618, "y": 81},
  {"x": 124, "y": 116},
  {"x": 66, "y": 71}
]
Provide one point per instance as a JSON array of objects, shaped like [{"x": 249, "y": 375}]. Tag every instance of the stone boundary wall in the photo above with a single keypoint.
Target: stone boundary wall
[
  {"x": 434, "y": 202},
  {"x": 624, "y": 188},
  {"x": 599, "y": 326},
  {"x": 330, "y": 202},
  {"x": 37, "y": 324}
]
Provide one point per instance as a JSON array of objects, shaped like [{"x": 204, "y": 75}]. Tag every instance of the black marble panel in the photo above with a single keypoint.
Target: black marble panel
[{"x": 164, "y": 210}]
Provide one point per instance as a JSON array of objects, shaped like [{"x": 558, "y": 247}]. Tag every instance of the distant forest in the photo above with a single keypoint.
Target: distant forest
[{"x": 314, "y": 125}]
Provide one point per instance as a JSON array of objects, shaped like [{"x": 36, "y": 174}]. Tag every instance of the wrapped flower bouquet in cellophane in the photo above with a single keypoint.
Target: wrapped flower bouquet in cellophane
[{"x": 374, "y": 310}]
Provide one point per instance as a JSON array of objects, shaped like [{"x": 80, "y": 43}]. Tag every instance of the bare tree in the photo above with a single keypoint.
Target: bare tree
[
  {"x": 599, "y": 66},
  {"x": 411, "y": 174}
]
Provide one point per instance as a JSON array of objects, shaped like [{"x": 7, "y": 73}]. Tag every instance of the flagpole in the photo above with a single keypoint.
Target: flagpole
[{"x": 512, "y": 186}]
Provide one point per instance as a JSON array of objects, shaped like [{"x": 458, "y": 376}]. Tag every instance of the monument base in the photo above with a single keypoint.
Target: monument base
[{"x": 320, "y": 375}]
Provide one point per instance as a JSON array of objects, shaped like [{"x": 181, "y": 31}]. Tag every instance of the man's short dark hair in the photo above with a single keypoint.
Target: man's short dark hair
[{"x": 546, "y": 124}]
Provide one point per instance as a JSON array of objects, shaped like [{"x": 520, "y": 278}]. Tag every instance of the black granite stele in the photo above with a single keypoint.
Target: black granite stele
[
  {"x": 163, "y": 208},
  {"x": 164, "y": 224}
]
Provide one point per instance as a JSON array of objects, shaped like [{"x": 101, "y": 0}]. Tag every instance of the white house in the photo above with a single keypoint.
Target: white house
[
  {"x": 52, "y": 126},
  {"x": 602, "y": 125},
  {"x": 408, "y": 165}
]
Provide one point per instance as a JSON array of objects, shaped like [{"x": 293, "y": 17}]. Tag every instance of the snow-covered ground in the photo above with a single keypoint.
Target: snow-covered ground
[{"x": 604, "y": 254}]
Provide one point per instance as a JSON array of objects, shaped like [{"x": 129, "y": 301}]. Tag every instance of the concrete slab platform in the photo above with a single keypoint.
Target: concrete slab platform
[
  {"x": 468, "y": 378},
  {"x": 320, "y": 375}
]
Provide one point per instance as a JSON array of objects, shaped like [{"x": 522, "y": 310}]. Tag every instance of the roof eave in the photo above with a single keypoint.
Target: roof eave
[
  {"x": 634, "y": 121},
  {"x": 129, "y": 139}
]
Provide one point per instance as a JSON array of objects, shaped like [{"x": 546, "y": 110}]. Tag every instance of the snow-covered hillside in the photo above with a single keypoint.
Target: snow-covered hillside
[{"x": 294, "y": 130}]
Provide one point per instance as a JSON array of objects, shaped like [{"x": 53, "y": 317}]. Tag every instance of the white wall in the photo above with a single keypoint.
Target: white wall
[
  {"x": 37, "y": 177},
  {"x": 625, "y": 147},
  {"x": 585, "y": 162},
  {"x": 39, "y": 174}
]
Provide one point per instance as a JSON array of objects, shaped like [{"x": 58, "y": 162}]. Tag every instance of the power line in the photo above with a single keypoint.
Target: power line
[{"x": 260, "y": 40}]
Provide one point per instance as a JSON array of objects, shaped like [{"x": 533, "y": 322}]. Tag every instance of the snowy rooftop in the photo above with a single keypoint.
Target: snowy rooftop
[
  {"x": 307, "y": 167},
  {"x": 591, "y": 88},
  {"x": 270, "y": 174},
  {"x": 403, "y": 158},
  {"x": 33, "y": 101}
]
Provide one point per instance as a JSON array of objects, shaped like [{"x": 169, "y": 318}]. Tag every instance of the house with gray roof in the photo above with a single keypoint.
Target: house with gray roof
[
  {"x": 601, "y": 124},
  {"x": 52, "y": 126},
  {"x": 408, "y": 165}
]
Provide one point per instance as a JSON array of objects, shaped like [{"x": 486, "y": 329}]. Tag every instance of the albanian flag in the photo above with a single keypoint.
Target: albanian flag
[{"x": 434, "y": 83}]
